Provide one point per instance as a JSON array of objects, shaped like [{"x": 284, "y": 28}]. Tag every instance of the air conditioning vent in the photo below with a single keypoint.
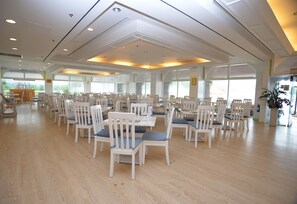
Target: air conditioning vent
[{"x": 10, "y": 55}]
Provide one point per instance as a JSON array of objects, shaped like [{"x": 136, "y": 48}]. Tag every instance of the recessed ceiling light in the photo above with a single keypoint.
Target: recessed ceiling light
[
  {"x": 20, "y": 60},
  {"x": 90, "y": 29},
  {"x": 48, "y": 63},
  {"x": 66, "y": 50},
  {"x": 12, "y": 39},
  {"x": 14, "y": 48},
  {"x": 116, "y": 10},
  {"x": 10, "y": 21}
]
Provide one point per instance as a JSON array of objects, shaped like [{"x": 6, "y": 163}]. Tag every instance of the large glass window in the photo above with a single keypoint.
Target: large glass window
[
  {"x": 76, "y": 87},
  {"x": 60, "y": 86},
  {"x": 121, "y": 88},
  {"x": 177, "y": 88},
  {"x": 241, "y": 89},
  {"x": 142, "y": 89},
  {"x": 98, "y": 87},
  {"x": 37, "y": 85},
  {"x": 218, "y": 88}
]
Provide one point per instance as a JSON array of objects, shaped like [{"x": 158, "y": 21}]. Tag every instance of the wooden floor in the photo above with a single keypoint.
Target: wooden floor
[{"x": 40, "y": 164}]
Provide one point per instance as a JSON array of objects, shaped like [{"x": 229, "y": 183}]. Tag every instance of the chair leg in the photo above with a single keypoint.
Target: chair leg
[
  {"x": 111, "y": 168},
  {"x": 59, "y": 121},
  {"x": 186, "y": 136},
  {"x": 196, "y": 138},
  {"x": 89, "y": 135},
  {"x": 190, "y": 135},
  {"x": 67, "y": 130},
  {"x": 140, "y": 155},
  {"x": 95, "y": 148},
  {"x": 167, "y": 154},
  {"x": 76, "y": 134},
  {"x": 209, "y": 140},
  {"x": 143, "y": 153},
  {"x": 133, "y": 166}
]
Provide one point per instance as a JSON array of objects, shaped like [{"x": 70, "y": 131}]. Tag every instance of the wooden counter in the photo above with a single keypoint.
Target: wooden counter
[{"x": 27, "y": 96}]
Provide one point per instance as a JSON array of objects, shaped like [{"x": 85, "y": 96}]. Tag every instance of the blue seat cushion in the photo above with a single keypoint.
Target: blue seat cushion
[
  {"x": 158, "y": 113},
  {"x": 137, "y": 142},
  {"x": 155, "y": 136},
  {"x": 192, "y": 123},
  {"x": 189, "y": 118},
  {"x": 103, "y": 133},
  {"x": 140, "y": 129},
  {"x": 179, "y": 121}
]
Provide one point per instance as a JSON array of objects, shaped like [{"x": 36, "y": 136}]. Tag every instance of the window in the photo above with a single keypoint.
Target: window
[
  {"x": 218, "y": 88},
  {"x": 177, "y": 88},
  {"x": 98, "y": 87},
  {"x": 241, "y": 89},
  {"x": 60, "y": 86},
  {"x": 142, "y": 89},
  {"x": 121, "y": 88},
  {"x": 37, "y": 85}
]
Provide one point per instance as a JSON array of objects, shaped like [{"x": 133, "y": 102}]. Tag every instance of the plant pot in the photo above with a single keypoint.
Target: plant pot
[{"x": 273, "y": 117}]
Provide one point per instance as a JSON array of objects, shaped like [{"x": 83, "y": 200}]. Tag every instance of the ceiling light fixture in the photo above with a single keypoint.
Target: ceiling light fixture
[
  {"x": 66, "y": 50},
  {"x": 14, "y": 48},
  {"x": 12, "y": 39},
  {"x": 116, "y": 10},
  {"x": 90, "y": 29},
  {"x": 10, "y": 21}
]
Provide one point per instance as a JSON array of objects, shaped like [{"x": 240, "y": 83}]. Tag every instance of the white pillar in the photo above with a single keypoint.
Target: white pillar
[{"x": 48, "y": 78}]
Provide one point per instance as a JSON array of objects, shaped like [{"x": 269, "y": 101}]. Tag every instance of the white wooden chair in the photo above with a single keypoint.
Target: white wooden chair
[
  {"x": 235, "y": 118},
  {"x": 247, "y": 106},
  {"x": 123, "y": 142},
  {"x": 219, "y": 119},
  {"x": 100, "y": 134},
  {"x": 140, "y": 109},
  {"x": 69, "y": 114},
  {"x": 202, "y": 124},
  {"x": 82, "y": 118},
  {"x": 158, "y": 138},
  {"x": 61, "y": 110},
  {"x": 180, "y": 123}
]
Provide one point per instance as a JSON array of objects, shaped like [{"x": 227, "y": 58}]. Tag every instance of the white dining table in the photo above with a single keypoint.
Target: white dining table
[{"x": 144, "y": 121}]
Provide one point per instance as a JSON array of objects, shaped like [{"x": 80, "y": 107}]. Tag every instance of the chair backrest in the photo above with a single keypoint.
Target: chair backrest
[
  {"x": 103, "y": 102},
  {"x": 169, "y": 120},
  {"x": 82, "y": 113},
  {"x": 237, "y": 110},
  {"x": 139, "y": 108},
  {"x": 204, "y": 118},
  {"x": 247, "y": 108},
  {"x": 61, "y": 106},
  {"x": 189, "y": 105},
  {"x": 69, "y": 108},
  {"x": 97, "y": 118},
  {"x": 118, "y": 106},
  {"x": 221, "y": 112},
  {"x": 122, "y": 130},
  {"x": 55, "y": 102},
  {"x": 245, "y": 100}
]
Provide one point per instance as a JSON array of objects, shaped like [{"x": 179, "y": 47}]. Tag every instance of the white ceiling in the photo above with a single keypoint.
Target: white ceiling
[{"x": 145, "y": 32}]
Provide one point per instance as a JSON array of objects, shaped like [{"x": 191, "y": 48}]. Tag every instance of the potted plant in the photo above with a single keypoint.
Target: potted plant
[{"x": 274, "y": 102}]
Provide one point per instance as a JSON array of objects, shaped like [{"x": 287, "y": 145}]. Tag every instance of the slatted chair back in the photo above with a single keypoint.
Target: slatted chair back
[
  {"x": 97, "y": 118},
  {"x": 103, "y": 102},
  {"x": 139, "y": 108},
  {"x": 204, "y": 118},
  {"x": 82, "y": 114},
  {"x": 189, "y": 105},
  {"x": 119, "y": 123}
]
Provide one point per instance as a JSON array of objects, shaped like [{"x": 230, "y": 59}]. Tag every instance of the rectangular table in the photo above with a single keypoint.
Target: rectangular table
[{"x": 144, "y": 121}]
